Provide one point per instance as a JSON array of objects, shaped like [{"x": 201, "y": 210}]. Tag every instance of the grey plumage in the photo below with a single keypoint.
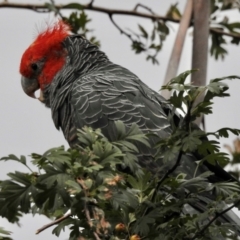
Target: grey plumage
[{"x": 91, "y": 90}]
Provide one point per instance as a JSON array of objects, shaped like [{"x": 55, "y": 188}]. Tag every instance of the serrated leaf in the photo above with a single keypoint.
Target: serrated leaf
[
  {"x": 61, "y": 226},
  {"x": 192, "y": 141},
  {"x": 141, "y": 183},
  {"x": 143, "y": 224},
  {"x": 16, "y": 195},
  {"x": 5, "y": 232},
  {"x": 13, "y": 157},
  {"x": 74, "y": 185},
  {"x": 121, "y": 129},
  {"x": 144, "y": 32},
  {"x": 181, "y": 78},
  {"x": 74, "y": 6}
]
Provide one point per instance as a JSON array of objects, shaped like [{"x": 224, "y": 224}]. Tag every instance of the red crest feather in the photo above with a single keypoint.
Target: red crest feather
[{"x": 47, "y": 45}]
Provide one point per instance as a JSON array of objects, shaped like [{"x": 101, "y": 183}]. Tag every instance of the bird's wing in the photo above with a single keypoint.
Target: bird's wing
[
  {"x": 104, "y": 97},
  {"x": 98, "y": 99}
]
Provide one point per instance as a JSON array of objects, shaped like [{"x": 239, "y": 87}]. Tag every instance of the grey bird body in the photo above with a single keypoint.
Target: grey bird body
[{"x": 90, "y": 90}]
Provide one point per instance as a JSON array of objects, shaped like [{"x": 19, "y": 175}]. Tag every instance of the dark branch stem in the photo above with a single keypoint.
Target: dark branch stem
[
  {"x": 88, "y": 7},
  {"x": 171, "y": 170},
  {"x": 91, "y": 4},
  {"x": 217, "y": 215},
  {"x": 41, "y": 8},
  {"x": 216, "y": 30},
  {"x": 86, "y": 210},
  {"x": 145, "y": 7},
  {"x": 119, "y": 28},
  {"x": 53, "y": 223}
]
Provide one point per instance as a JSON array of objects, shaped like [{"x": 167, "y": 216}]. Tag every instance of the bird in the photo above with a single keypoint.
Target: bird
[{"x": 82, "y": 87}]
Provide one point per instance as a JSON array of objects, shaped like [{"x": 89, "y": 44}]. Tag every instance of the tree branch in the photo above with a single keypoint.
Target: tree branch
[
  {"x": 216, "y": 30},
  {"x": 53, "y": 223},
  {"x": 145, "y": 7},
  {"x": 86, "y": 210},
  {"x": 91, "y": 3},
  {"x": 217, "y": 215},
  {"x": 35, "y": 7},
  {"x": 41, "y": 8},
  {"x": 120, "y": 29},
  {"x": 167, "y": 174},
  {"x": 152, "y": 198}
]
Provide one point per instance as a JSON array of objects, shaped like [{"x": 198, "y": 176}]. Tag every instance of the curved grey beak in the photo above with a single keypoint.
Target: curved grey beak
[{"x": 29, "y": 86}]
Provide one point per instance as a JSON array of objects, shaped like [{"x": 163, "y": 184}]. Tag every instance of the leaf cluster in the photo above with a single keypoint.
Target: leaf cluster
[
  {"x": 186, "y": 135},
  {"x": 110, "y": 196},
  {"x": 151, "y": 41},
  {"x": 4, "y": 234},
  {"x": 218, "y": 40}
]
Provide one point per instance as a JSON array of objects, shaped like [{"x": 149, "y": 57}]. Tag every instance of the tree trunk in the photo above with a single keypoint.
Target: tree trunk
[
  {"x": 178, "y": 46},
  {"x": 201, "y": 13}
]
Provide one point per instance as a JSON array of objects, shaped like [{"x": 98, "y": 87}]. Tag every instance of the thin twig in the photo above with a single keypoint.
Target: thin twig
[
  {"x": 89, "y": 7},
  {"x": 41, "y": 8},
  {"x": 96, "y": 236},
  {"x": 216, "y": 30},
  {"x": 91, "y": 3},
  {"x": 53, "y": 223},
  {"x": 217, "y": 215},
  {"x": 119, "y": 28},
  {"x": 86, "y": 210},
  {"x": 171, "y": 170},
  {"x": 145, "y": 7}
]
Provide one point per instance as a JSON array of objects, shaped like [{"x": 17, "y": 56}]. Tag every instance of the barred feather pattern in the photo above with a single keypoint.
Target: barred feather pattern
[{"x": 91, "y": 90}]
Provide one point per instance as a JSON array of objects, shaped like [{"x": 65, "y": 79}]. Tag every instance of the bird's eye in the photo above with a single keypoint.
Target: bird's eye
[{"x": 34, "y": 66}]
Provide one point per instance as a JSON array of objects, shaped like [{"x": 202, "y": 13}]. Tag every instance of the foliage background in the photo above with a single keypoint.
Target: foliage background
[{"x": 26, "y": 126}]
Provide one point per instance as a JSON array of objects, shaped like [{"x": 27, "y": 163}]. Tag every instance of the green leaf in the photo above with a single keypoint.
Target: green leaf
[
  {"x": 5, "y": 232},
  {"x": 173, "y": 12},
  {"x": 53, "y": 176},
  {"x": 74, "y": 185},
  {"x": 142, "y": 183},
  {"x": 144, "y": 224},
  {"x": 51, "y": 7},
  {"x": 223, "y": 132},
  {"x": 202, "y": 108},
  {"x": 77, "y": 6},
  {"x": 16, "y": 195},
  {"x": 124, "y": 199},
  {"x": 217, "y": 49},
  {"x": 225, "y": 188},
  {"x": 13, "y": 157},
  {"x": 180, "y": 79},
  {"x": 144, "y": 33},
  {"x": 192, "y": 141},
  {"x": 177, "y": 99},
  {"x": 61, "y": 226}
]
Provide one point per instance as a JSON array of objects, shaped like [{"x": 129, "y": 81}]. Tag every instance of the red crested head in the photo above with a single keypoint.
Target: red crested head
[{"x": 44, "y": 57}]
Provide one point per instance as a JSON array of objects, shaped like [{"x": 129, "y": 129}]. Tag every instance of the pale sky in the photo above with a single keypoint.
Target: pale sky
[{"x": 26, "y": 125}]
